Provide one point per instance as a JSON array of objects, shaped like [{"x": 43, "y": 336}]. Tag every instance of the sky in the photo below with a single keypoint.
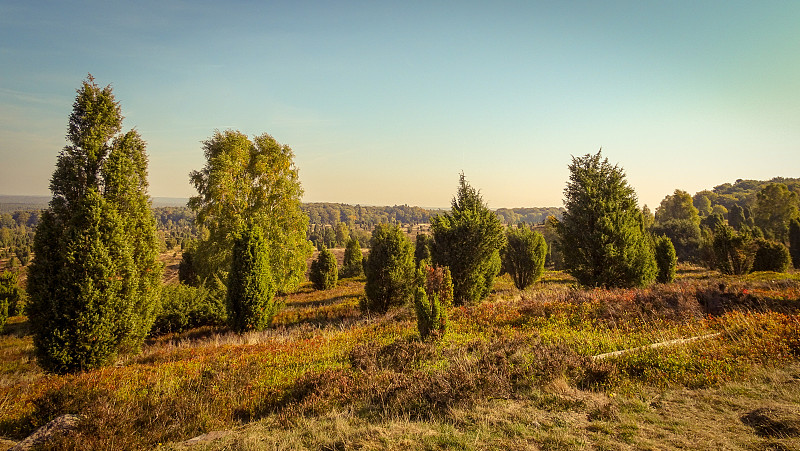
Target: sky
[{"x": 385, "y": 103}]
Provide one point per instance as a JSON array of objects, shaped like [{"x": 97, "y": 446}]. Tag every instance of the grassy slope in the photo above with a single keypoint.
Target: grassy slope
[{"x": 513, "y": 372}]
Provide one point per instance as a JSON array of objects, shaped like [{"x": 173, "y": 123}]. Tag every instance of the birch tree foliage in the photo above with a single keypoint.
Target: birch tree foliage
[{"x": 250, "y": 182}]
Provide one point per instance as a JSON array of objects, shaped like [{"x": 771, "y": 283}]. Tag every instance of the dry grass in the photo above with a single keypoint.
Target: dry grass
[
  {"x": 512, "y": 372},
  {"x": 556, "y": 416}
]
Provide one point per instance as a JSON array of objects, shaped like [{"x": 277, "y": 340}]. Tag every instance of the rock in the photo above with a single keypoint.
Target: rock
[{"x": 58, "y": 426}]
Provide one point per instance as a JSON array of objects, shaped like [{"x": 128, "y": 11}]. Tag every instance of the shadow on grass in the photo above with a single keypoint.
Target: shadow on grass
[
  {"x": 17, "y": 326},
  {"x": 336, "y": 311},
  {"x": 196, "y": 334},
  {"x": 311, "y": 303}
]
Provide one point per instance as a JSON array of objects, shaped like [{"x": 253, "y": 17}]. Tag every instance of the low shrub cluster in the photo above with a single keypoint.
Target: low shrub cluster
[
  {"x": 184, "y": 307},
  {"x": 410, "y": 378},
  {"x": 771, "y": 256}
]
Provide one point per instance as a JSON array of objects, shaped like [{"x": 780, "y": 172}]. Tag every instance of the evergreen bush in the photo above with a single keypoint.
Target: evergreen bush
[
  {"x": 432, "y": 300},
  {"x": 422, "y": 249},
  {"x": 602, "y": 230},
  {"x": 12, "y": 294},
  {"x": 794, "y": 242},
  {"x": 771, "y": 256},
  {"x": 187, "y": 273},
  {"x": 324, "y": 272},
  {"x": 666, "y": 259},
  {"x": 389, "y": 269},
  {"x": 3, "y": 312},
  {"x": 185, "y": 307},
  {"x": 251, "y": 291},
  {"x": 733, "y": 251},
  {"x": 524, "y": 255},
  {"x": 352, "y": 265},
  {"x": 94, "y": 284},
  {"x": 468, "y": 241}
]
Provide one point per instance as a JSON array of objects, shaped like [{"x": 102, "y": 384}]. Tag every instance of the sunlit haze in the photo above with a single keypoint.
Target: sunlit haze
[{"x": 385, "y": 103}]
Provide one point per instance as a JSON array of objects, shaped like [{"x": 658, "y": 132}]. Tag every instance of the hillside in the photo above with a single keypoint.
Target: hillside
[{"x": 515, "y": 371}]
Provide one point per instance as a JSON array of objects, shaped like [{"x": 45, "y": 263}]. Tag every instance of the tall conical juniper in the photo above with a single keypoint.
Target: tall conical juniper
[
  {"x": 251, "y": 292},
  {"x": 602, "y": 230},
  {"x": 94, "y": 282}
]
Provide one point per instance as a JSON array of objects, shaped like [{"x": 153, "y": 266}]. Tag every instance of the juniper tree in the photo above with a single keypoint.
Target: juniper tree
[
  {"x": 352, "y": 265},
  {"x": 11, "y": 293},
  {"x": 432, "y": 300},
  {"x": 771, "y": 256},
  {"x": 602, "y": 232},
  {"x": 250, "y": 297},
  {"x": 422, "y": 249},
  {"x": 468, "y": 241},
  {"x": 94, "y": 282},
  {"x": 389, "y": 269},
  {"x": 733, "y": 251},
  {"x": 324, "y": 272},
  {"x": 4, "y": 304},
  {"x": 666, "y": 259},
  {"x": 524, "y": 255}
]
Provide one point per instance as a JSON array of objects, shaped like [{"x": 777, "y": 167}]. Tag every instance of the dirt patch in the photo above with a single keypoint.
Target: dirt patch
[{"x": 171, "y": 261}]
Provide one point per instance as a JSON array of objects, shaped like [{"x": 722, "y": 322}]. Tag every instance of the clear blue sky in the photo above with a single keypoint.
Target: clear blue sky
[{"x": 386, "y": 102}]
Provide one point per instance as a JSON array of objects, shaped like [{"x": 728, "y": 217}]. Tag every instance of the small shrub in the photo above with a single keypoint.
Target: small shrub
[
  {"x": 733, "y": 251},
  {"x": 352, "y": 265},
  {"x": 389, "y": 269},
  {"x": 11, "y": 294},
  {"x": 771, "y": 256},
  {"x": 666, "y": 260},
  {"x": 524, "y": 255},
  {"x": 187, "y": 273},
  {"x": 184, "y": 307},
  {"x": 324, "y": 271},
  {"x": 432, "y": 300}
]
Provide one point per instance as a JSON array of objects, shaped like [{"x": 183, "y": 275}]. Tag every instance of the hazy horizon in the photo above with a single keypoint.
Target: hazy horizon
[
  {"x": 384, "y": 104},
  {"x": 167, "y": 201}
]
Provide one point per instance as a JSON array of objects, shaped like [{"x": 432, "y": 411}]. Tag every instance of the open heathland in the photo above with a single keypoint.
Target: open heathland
[{"x": 518, "y": 370}]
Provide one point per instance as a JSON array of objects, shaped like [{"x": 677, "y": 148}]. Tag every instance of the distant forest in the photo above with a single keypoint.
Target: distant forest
[
  {"x": 19, "y": 215},
  {"x": 741, "y": 192}
]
